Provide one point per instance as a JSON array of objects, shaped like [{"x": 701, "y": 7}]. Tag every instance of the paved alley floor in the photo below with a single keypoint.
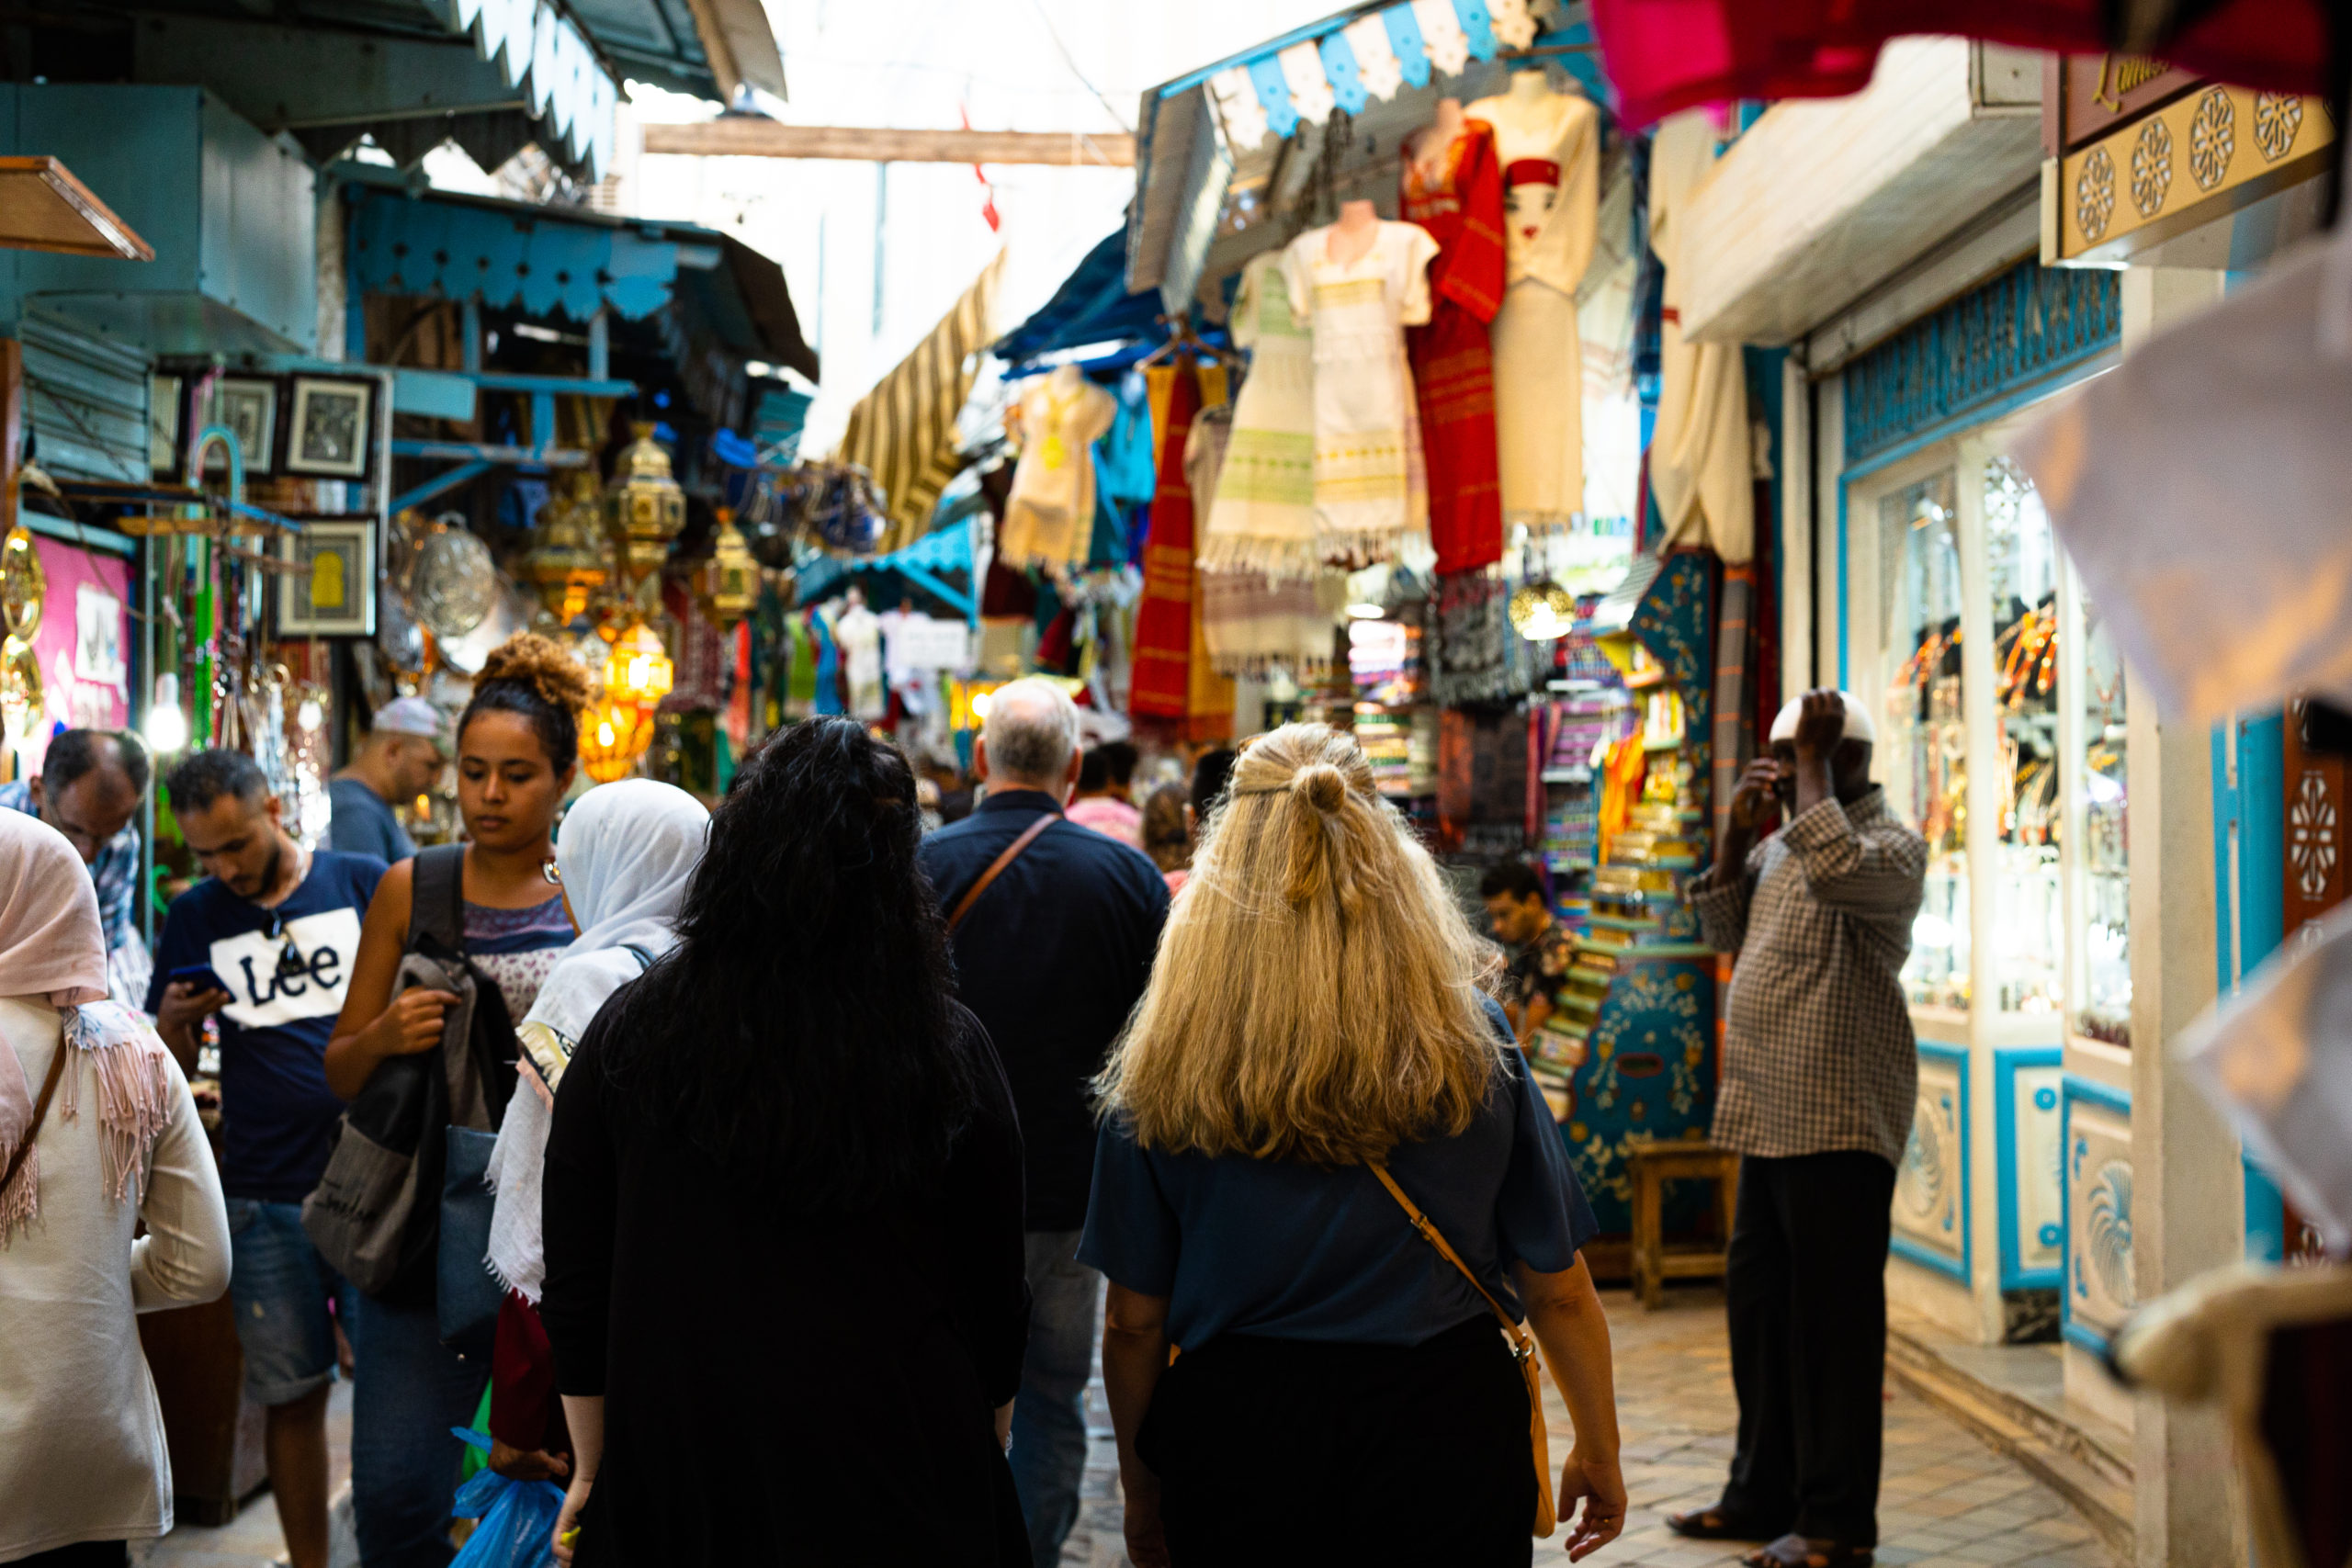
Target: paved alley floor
[{"x": 1947, "y": 1501}]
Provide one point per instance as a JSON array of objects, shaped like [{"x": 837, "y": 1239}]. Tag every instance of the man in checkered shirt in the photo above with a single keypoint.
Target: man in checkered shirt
[{"x": 1819, "y": 1076}]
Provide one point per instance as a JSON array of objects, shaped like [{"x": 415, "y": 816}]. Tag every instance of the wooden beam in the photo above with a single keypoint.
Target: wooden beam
[{"x": 749, "y": 137}]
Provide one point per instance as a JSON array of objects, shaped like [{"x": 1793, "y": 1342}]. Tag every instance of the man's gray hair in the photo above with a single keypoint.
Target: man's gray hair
[{"x": 1031, "y": 731}]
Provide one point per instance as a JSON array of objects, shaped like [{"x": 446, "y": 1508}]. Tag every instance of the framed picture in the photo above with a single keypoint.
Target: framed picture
[
  {"x": 249, "y": 408},
  {"x": 162, "y": 423},
  {"x": 332, "y": 430},
  {"x": 331, "y": 590}
]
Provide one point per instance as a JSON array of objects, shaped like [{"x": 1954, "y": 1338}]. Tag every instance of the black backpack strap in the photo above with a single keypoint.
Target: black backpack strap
[{"x": 437, "y": 897}]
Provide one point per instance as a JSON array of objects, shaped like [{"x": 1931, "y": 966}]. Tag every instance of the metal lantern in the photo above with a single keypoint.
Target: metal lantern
[
  {"x": 612, "y": 736},
  {"x": 644, "y": 508},
  {"x": 731, "y": 581},
  {"x": 637, "y": 671},
  {"x": 566, "y": 564}
]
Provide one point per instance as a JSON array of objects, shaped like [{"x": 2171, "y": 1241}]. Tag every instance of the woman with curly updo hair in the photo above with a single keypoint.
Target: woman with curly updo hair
[
  {"x": 518, "y": 750},
  {"x": 1314, "y": 1032}
]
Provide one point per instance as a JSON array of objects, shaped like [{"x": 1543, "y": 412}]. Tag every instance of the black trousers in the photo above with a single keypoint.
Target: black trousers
[
  {"x": 1281, "y": 1452},
  {"x": 1806, "y": 1290}
]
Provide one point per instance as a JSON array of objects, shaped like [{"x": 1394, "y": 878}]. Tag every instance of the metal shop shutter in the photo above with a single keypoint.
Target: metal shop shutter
[{"x": 85, "y": 401}]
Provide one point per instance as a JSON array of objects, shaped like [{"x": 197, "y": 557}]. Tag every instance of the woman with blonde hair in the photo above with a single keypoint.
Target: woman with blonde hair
[{"x": 1313, "y": 1056}]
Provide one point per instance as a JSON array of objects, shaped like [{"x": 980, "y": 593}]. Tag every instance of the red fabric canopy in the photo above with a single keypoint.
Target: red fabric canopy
[{"x": 1664, "y": 55}]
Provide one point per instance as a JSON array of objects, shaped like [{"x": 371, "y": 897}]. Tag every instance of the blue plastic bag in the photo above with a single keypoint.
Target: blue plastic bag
[{"x": 517, "y": 1528}]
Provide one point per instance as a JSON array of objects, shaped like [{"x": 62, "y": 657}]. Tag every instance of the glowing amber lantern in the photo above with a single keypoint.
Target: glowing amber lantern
[
  {"x": 565, "y": 563},
  {"x": 637, "y": 671},
  {"x": 612, "y": 736}
]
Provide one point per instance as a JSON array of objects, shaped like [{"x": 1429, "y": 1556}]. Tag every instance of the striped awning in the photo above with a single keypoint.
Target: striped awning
[{"x": 903, "y": 432}]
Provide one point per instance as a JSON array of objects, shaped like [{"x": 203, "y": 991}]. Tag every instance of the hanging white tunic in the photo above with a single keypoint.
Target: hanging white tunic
[
  {"x": 1370, "y": 488},
  {"x": 1262, "y": 517}
]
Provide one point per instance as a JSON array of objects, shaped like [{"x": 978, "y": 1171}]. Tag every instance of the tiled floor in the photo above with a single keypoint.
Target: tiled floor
[
  {"x": 1947, "y": 1501},
  {"x": 251, "y": 1538}
]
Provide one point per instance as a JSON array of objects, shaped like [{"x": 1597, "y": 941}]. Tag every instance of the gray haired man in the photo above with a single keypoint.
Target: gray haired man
[{"x": 1052, "y": 928}]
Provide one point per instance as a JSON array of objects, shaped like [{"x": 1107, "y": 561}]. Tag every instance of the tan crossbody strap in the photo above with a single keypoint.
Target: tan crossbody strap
[
  {"x": 1523, "y": 1342},
  {"x": 996, "y": 868},
  {"x": 40, "y": 1113},
  {"x": 1523, "y": 1348}
]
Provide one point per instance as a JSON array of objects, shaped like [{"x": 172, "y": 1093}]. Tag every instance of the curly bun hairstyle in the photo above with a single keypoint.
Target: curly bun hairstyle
[{"x": 534, "y": 676}]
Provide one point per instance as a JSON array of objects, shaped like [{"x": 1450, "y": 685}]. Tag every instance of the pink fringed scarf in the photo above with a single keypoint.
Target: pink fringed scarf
[{"x": 53, "y": 948}]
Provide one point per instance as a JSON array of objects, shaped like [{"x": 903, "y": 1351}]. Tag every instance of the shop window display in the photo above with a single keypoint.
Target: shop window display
[
  {"x": 2103, "y": 985},
  {"x": 2020, "y": 563},
  {"x": 1923, "y": 744}
]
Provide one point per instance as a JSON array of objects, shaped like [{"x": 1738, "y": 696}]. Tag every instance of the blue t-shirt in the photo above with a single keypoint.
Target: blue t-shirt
[
  {"x": 362, "y": 824},
  {"x": 276, "y": 1109},
  {"x": 1293, "y": 1251}
]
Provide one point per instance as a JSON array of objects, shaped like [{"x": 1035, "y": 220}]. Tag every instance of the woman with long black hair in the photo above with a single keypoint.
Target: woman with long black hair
[{"x": 783, "y": 1207}]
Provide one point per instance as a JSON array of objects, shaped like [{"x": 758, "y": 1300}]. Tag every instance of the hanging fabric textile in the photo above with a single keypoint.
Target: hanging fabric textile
[
  {"x": 1458, "y": 197},
  {"x": 1371, "y": 487},
  {"x": 1701, "y": 469},
  {"x": 1164, "y": 621},
  {"x": 1549, "y": 146},
  {"x": 1262, "y": 517},
  {"x": 1252, "y": 622},
  {"x": 1129, "y": 470},
  {"x": 903, "y": 432},
  {"x": 1049, "y": 518}
]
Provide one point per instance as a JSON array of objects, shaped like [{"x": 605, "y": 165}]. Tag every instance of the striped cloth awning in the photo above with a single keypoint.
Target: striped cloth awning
[{"x": 903, "y": 432}]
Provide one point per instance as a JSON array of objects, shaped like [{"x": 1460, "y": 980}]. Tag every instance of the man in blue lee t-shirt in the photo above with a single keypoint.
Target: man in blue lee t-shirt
[{"x": 277, "y": 927}]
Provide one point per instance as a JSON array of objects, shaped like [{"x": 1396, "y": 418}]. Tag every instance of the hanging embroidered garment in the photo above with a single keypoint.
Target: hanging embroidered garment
[
  {"x": 1549, "y": 146},
  {"x": 1700, "y": 468},
  {"x": 1371, "y": 489},
  {"x": 1462, "y": 208},
  {"x": 1163, "y": 645},
  {"x": 1262, "y": 515},
  {"x": 1252, "y": 623},
  {"x": 1049, "y": 518}
]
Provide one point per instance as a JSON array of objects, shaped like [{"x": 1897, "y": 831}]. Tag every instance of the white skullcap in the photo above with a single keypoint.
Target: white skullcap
[
  {"x": 1857, "y": 720},
  {"x": 410, "y": 716}
]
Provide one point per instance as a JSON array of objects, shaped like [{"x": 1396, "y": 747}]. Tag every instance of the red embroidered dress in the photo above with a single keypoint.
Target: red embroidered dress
[{"x": 1453, "y": 366}]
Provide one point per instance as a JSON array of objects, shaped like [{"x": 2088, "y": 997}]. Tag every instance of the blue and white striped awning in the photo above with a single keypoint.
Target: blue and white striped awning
[{"x": 1344, "y": 61}]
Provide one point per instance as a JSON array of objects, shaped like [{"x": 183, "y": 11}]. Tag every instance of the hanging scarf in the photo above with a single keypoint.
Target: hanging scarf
[
  {"x": 53, "y": 947},
  {"x": 1163, "y": 647},
  {"x": 625, "y": 853}
]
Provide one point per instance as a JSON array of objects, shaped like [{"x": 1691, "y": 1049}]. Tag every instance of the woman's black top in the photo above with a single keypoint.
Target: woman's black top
[{"x": 781, "y": 1387}]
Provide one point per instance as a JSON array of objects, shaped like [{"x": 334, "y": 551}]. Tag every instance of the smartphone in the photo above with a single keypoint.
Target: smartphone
[{"x": 200, "y": 977}]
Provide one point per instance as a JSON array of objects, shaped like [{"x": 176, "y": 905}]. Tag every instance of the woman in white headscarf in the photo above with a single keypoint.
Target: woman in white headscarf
[
  {"x": 624, "y": 852},
  {"x": 98, "y": 1132}
]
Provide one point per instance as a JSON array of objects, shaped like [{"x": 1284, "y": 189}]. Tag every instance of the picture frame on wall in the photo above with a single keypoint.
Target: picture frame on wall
[
  {"x": 331, "y": 428},
  {"x": 163, "y": 423},
  {"x": 331, "y": 590},
  {"x": 249, "y": 408}
]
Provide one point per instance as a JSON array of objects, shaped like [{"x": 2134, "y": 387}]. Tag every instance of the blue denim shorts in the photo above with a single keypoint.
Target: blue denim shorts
[{"x": 281, "y": 1287}]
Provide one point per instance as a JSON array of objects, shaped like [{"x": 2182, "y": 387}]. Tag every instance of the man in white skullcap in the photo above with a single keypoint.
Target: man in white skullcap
[
  {"x": 1820, "y": 1072},
  {"x": 404, "y": 754}
]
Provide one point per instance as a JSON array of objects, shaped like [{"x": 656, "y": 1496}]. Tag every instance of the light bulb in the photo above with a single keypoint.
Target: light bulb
[
  {"x": 308, "y": 718},
  {"x": 166, "y": 726}
]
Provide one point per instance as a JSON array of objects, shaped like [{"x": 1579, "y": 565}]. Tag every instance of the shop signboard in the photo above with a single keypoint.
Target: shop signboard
[{"x": 82, "y": 644}]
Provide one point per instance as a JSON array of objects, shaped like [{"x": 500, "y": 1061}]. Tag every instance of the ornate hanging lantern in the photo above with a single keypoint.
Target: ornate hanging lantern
[
  {"x": 644, "y": 508},
  {"x": 23, "y": 585},
  {"x": 731, "y": 581},
  {"x": 638, "y": 670},
  {"x": 565, "y": 564},
  {"x": 612, "y": 736}
]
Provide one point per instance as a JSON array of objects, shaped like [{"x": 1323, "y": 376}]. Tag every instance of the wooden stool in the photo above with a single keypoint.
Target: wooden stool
[{"x": 1651, "y": 1166}]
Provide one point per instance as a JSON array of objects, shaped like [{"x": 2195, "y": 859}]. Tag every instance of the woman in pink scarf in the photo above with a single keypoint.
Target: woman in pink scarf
[{"x": 98, "y": 1132}]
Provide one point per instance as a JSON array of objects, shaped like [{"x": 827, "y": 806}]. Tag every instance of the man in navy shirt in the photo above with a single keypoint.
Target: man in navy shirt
[
  {"x": 278, "y": 926},
  {"x": 1051, "y": 957}
]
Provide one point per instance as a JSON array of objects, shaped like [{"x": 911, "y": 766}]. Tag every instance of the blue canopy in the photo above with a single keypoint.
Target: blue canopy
[
  {"x": 920, "y": 563},
  {"x": 1092, "y": 306}
]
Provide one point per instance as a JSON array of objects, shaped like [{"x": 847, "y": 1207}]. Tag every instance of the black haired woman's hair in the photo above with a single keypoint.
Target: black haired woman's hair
[
  {"x": 532, "y": 675},
  {"x": 803, "y": 1032}
]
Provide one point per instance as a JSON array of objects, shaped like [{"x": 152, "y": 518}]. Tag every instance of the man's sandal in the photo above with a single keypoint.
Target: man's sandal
[
  {"x": 1796, "y": 1551},
  {"x": 1714, "y": 1524}
]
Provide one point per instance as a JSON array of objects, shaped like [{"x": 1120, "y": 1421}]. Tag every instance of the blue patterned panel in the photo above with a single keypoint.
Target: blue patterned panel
[
  {"x": 1478, "y": 27},
  {"x": 2025, "y": 325},
  {"x": 1648, "y": 1074},
  {"x": 1273, "y": 95},
  {"x": 1339, "y": 70},
  {"x": 1405, "y": 37}
]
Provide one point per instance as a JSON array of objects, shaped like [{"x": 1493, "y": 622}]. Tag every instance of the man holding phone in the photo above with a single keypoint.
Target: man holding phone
[
  {"x": 1819, "y": 1076},
  {"x": 266, "y": 942}
]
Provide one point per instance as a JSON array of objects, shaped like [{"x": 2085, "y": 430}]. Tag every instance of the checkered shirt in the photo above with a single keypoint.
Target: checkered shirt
[{"x": 1818, "y": 1053}]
